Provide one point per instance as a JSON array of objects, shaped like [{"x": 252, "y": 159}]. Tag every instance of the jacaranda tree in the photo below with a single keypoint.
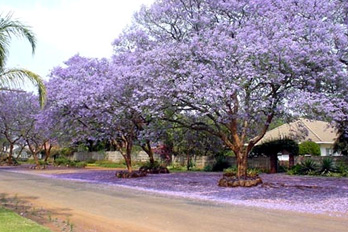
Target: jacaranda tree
[
  {"x": 17, "y": 118},
  {"x": 236, "y": 64},
  {"x": 92, "y": 100}
]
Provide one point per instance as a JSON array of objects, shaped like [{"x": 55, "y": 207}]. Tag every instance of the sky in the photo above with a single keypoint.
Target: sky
[{"x": 64, "y": 28}]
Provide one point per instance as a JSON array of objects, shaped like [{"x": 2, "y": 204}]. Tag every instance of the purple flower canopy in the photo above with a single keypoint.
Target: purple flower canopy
[
  {"x": 18, "y": 116},
  {"x": 224, "y": 67}
]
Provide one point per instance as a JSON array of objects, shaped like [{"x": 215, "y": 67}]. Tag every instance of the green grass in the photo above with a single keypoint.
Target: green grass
[
  {"x": 106, "y": 164},
  {"x": 10, "y": 221}
]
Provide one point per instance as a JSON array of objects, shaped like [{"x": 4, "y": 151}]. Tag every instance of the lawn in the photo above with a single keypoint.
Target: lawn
[{"x": 10, "y": 221}]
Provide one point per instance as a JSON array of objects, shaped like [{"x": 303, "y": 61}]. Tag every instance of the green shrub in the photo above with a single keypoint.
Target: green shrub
[
  {"x": 150, "y": 165},
  {"x": 208, "y": 168},
  {"x": 231, "y": 170},
  {"x": 91, "y": 161},
  {"x": 80, "y": 164},
  {"x": 295, "y": 170},
  {"x": 307, "y": 167},
  {"x": 220, "y": 164},
  {"x": 30, "y": 161},
  {"x": 309, "y": 148},
  {"x": 326, "y": 166},
  {"x": 229, "y": 153},
  {"x": 342, "y": 169},
  {"x": 176, "y": 167},
  {"x": 282, "y": 168},
  {"x": 253, "y": 171},
  {"x": 62, "y": 160},
  {"x": 250, "y": 172},
  {"x": 66, "y": 151}
]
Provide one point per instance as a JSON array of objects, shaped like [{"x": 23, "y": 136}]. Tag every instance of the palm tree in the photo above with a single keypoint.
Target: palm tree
[{"x": 10, "y": 78}]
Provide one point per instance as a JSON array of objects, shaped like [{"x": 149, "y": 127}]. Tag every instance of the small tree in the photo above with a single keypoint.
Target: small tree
[
  {"x": 17, "y": 114},
  {"x": 272, "y": 148},
  {"x": 309, "y": 148}
]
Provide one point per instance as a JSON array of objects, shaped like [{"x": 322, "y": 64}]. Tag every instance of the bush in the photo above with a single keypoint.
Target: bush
[
  {"x": 326, "y": 166},
  {"x": 309, "y": 148},
  {"x": 91, "y": 161},
  {"x": 176, "y": 167},
  {"x": 251, "y": 172},
  {"x": 231, "y": 170},
  {"x": 295, "y": 170},
  {"x": 63, "y": 161},
  {"x": 66, "y": 151},
  {"x": 208, "y": 168},
  {"x": 80, "y": 164},
  {"x": 307, "y": 167},
  {"x": 342, "y": 169},
  {"x": 150, "y": 165},
  {"x": 220, "y": 164},
  {"x": 282, "y": 168}
]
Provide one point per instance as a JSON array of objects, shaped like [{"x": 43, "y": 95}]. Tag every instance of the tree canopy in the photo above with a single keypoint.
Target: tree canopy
[{"x": 228, "y": 68}]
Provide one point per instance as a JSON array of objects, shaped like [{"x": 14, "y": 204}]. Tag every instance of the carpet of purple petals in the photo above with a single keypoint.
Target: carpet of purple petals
[{"x": 317, "y": 195}]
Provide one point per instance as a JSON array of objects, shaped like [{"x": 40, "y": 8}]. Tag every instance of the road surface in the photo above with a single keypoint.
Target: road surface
[{"x": 97, "y": 207}]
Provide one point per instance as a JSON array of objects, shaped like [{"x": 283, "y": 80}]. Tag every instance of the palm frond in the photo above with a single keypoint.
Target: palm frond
[
  {"x": 16, "y": 77},
  {"x": 10, "y": 28}
]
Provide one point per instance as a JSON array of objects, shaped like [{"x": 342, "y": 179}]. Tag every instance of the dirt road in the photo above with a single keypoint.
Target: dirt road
[{"x": 96, "y": 207}]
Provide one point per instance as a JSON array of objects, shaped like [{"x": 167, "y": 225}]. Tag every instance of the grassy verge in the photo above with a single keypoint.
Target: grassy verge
[
  {"x": 10, "y": 221},
  {"x": 106, "y": 164}
]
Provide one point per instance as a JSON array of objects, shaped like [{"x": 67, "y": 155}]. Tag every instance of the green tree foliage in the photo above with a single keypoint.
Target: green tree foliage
[
  {"x": 276, "y": 146},
  {"x": 10, "y": 78},
  {"x": 309, "y": 148},
  {"x": 341, "y": 143},
  {"x": 272, "y": 148}
]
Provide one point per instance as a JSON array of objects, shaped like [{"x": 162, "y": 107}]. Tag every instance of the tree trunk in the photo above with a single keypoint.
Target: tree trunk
[
  {"x": 129, "y": 146},
  {"x": 188, "y": 164},
  {"x": 20, "y": 152},
  {"x": 47, "y": 148},
  {"x": 147, "y": 148},
  {"x": 291, "y": 160},
  {"x": 36, "y": 160},
  {"x": 10, "y": 161},
  {"x": 273, "y": 163},
  {"x": 128, "y": 163},
  {"x": 242, "y": 164},
  {"x": 125, "y": 144}
]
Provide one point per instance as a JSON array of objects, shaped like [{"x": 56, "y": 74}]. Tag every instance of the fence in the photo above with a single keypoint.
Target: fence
[
  {"x": 199, "y": 161},
  {"x": 114, "y": 156}
]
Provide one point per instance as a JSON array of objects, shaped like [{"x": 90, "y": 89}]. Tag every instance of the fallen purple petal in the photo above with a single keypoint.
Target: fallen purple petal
[{"x": 316, "y": 195}]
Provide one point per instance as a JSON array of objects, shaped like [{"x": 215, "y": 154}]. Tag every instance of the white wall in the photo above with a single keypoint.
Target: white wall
[{"x": 327, "y": 149}]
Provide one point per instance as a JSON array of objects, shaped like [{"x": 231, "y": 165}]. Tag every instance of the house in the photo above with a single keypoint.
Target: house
[{"x": 302, "y": 130}]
